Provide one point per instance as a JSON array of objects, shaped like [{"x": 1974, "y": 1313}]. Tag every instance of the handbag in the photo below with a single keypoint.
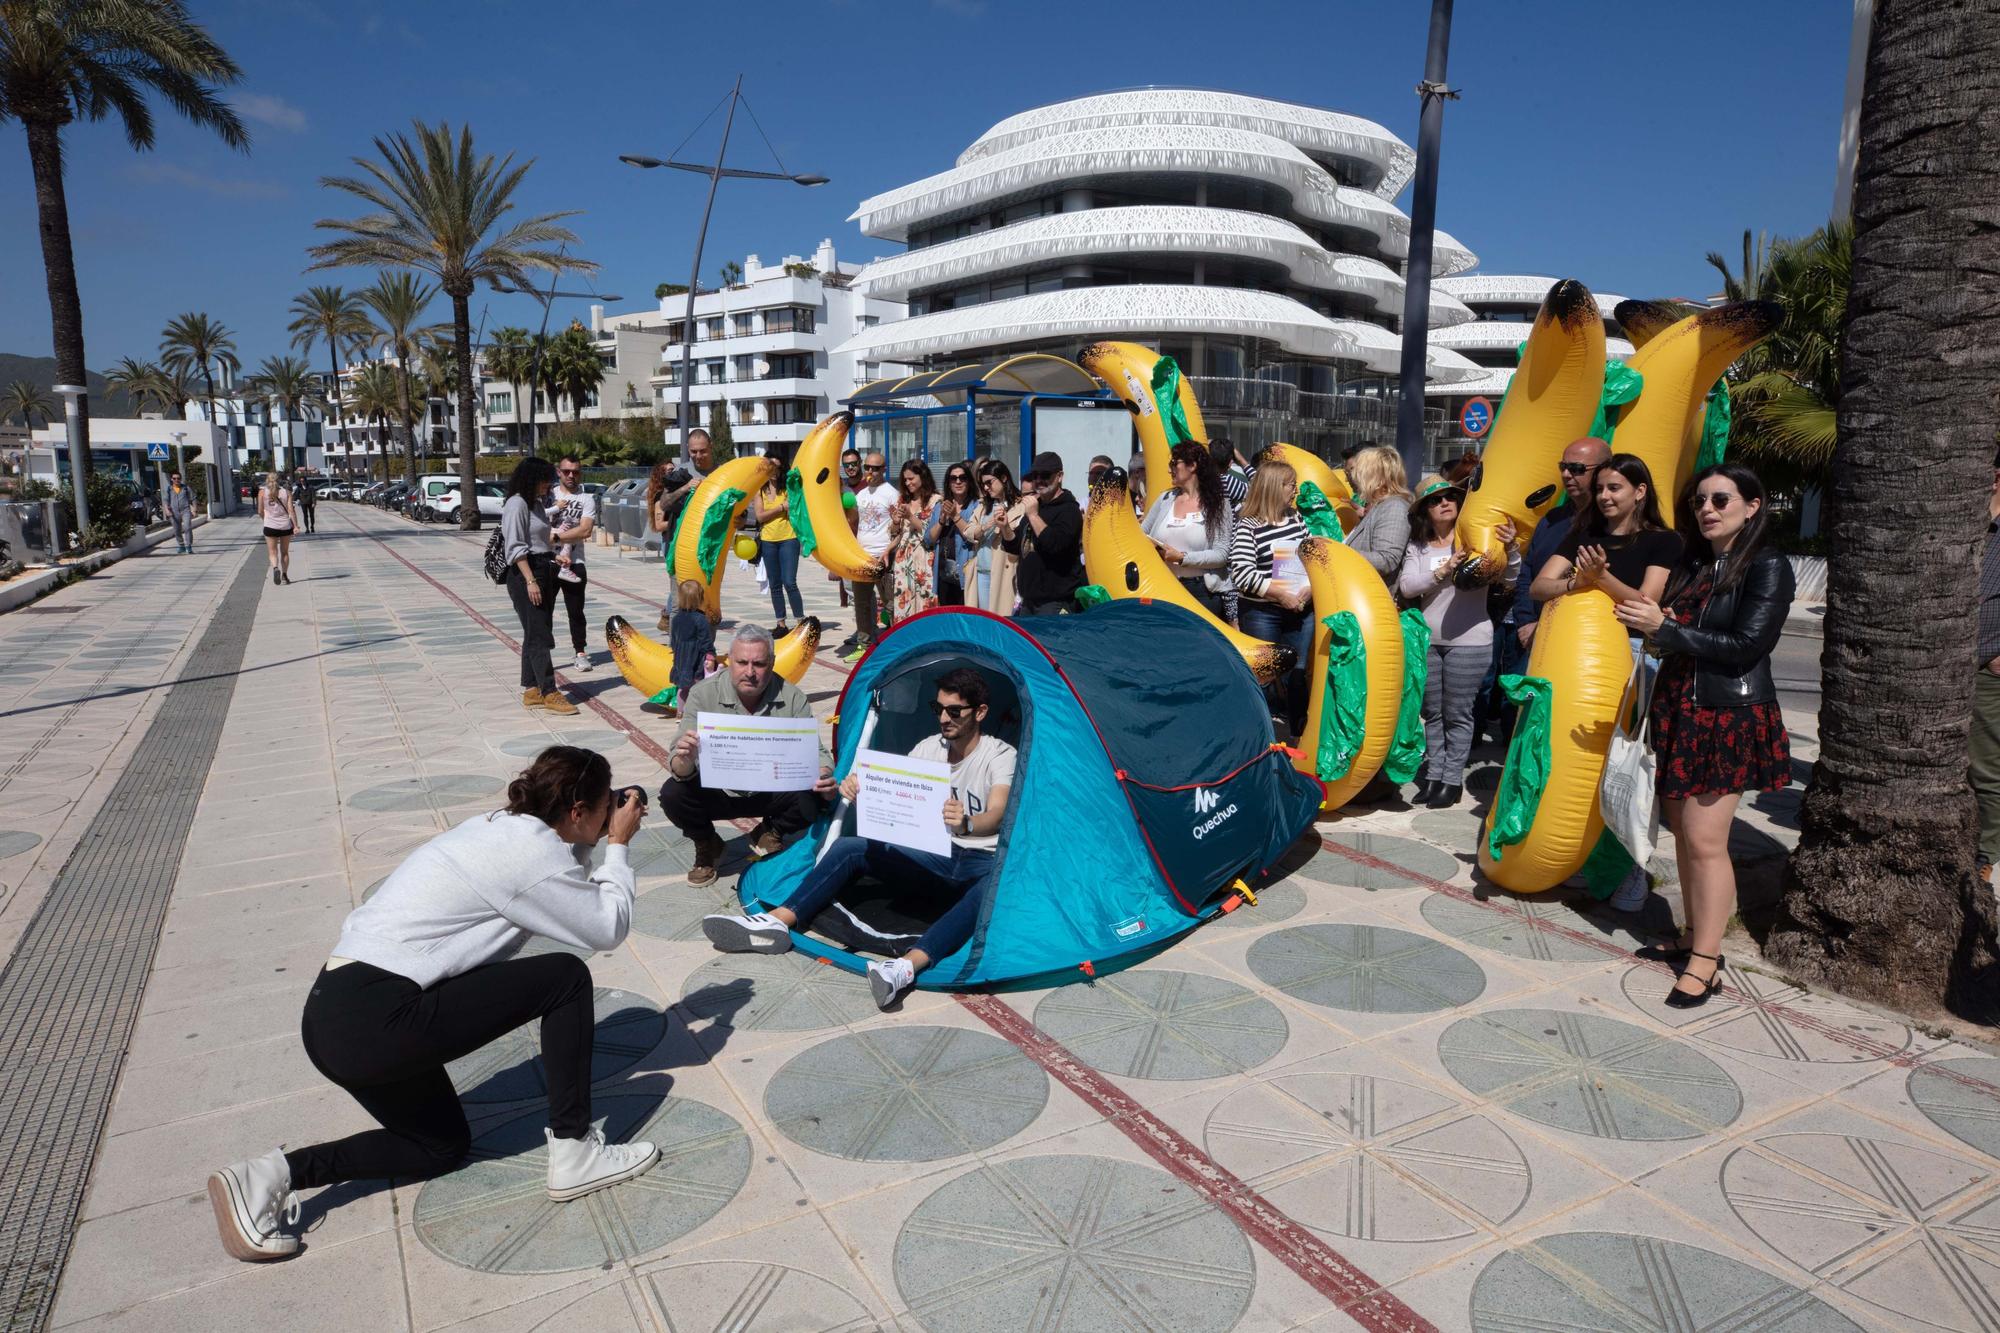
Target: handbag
[
  {"x": 496, "y": 557},
  {"x": 1625, "y": 795}
]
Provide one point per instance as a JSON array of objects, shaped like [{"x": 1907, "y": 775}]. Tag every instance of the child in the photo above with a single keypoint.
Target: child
[{"x": 692, "y": 638}]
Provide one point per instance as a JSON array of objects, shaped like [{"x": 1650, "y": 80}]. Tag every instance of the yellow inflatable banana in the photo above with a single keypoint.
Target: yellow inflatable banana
[
  {"x": 1332, "y": 482},
  {"x": 1343, "y": 580},
  {"x": 1644, "y": 321},
  {"x": 1551, "y": 401},
  {"x": 648, "y": 665},
  {"x": 746, "y": 475},
  {"x": 1118, "y": 557},
  {"x": 1584, "y": 654},
  {"x": 1128, "y": 369},
  {"x": 818, "y": 465},
  {"x": 1679, "y": 365}
]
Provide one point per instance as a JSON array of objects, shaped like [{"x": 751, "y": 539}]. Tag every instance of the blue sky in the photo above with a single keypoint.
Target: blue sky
[{"x": 1612, "y": 143}]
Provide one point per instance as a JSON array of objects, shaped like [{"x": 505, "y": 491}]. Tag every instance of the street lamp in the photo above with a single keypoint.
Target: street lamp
[
  {"x": 715, "y": 174},
  {"x": 79, "y": 467},
  {"x": 547, "y": 298}
]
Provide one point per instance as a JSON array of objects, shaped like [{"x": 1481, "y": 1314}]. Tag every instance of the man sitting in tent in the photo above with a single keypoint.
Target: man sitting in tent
[{"x": 982, "y": 772}]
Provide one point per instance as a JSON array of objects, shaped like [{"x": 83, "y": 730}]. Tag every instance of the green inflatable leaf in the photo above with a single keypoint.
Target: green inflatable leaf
[
  {"x": 1316, "y": 511},
  {"x": 1343, "y": 712},
  {"x": 1091, "y": 594},
  {"x": 1608, "y": 865},
  {"x": 796, "y": 511},
  {"x": 1621, "y": 385},
  {"x": 1714, "y": 428},
  {"x": 665, "y": 698},
  {"x": 1167, "y": 397},
  {"x": 1406, "y": 750},
  {"x": 715, "y": 528},
  {"x": 1527, "y": 769}
]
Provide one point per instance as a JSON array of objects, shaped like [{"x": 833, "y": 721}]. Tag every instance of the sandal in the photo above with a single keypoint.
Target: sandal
[{"x": 1683, "y": 999}]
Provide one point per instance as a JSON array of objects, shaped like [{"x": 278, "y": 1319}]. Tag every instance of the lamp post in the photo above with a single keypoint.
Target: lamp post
[
  {"x": 79, "y": 466},
  {"x": 1423, "y": 225},
  {"x": 715, "y": 175},
  {"x": 547, "y": 298}
]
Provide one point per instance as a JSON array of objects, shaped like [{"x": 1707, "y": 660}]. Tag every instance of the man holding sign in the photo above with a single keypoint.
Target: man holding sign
[
  {"x": 980, "y": 772},
  {"x": 746, "y": 746}
]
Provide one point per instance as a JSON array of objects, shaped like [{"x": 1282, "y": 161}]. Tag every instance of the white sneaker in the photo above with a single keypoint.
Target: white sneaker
[
  {"x": 1631, "y": 895},
  {"x": 582, "y": 662},
  {"x": 567, "y": 575},
  {"x": 583, "y": 1166},
  {"x": 889, "y": 979},
  {"x": 247, "y": 1198},
  {"x": 759, "y": 932}
]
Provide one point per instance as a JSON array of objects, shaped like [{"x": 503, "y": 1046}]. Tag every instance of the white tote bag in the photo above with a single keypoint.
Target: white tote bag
[{"x": 1626, "y": 794}]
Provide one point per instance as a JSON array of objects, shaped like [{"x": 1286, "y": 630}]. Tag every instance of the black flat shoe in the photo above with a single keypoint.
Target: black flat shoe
[
  {"x": 1682, "y": 999},
  {"x": 1663, "y": 953},
  {"x": 1444, "y": 797}
]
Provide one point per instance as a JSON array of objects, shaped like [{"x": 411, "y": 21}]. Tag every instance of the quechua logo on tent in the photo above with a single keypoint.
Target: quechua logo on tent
[{"x": 1205, "y": 801}]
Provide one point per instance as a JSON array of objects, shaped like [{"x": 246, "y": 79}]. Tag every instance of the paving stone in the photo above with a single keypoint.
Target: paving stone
[
  {"x": 1368, "y": 969},
  {"x": 787, "y": 992},
  {"x": 1967, "y": 1113},
  {"x": 1275, "y": 902},
  {"x": 1406, "y": 859},
  {"x": 674, "y": 911},
  {"x": 1760, "y": 1015},
  {"x": 906, "y": 1094},
  {"x": 1159, "y": 1023},
  {"x": 439, "y": 792},
  {"x": 15, "y": 841},
  {"x": 1072, "y": 1242},
  {"x": 508, "y": 1070},
  {"x": 1540, "y": 928}
]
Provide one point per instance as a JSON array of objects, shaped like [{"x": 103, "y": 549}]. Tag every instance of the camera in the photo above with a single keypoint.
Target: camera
[{"x": 639, "y": 793}]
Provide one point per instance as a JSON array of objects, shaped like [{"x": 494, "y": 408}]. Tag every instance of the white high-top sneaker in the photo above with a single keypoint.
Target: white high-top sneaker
[
  {"x": 582, "y": 1166},
  {"x": 247, "y": 1198},
  {"x": 759, "y": 932}
]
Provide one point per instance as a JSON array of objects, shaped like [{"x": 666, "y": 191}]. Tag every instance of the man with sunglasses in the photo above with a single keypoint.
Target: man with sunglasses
[
  {"x": 1046, "y": 531},
  {"x": 572, "y": 517},
  {"x": 982, "y": 776},
  {"x": 875, "y": 510}
]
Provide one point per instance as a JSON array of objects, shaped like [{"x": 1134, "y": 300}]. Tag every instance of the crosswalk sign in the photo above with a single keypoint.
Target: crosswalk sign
[{"x": 157, "y": 453}]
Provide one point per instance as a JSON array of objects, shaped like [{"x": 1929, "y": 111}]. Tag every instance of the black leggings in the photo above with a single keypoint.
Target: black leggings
[
  {"x": 538, "y": 637},
  {"x": 572, "y": 595},
  {"x": 386, "y": 1042}
]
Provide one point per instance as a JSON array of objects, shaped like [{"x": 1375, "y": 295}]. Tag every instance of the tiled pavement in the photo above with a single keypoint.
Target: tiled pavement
[{"x": 1380, "y": 1097}]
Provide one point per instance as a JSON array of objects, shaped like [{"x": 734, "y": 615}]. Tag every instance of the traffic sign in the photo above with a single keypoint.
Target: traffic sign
[
  {"x": 157, "y": 453},
  {"x": 1476, "y": 417}
]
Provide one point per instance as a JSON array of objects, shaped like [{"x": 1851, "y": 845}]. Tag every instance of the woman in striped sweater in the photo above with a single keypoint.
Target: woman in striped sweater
[{"x": 1275, "y": 598}]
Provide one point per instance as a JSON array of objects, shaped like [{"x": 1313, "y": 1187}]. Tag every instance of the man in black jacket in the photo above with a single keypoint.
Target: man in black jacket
[{"x": 1048, "y": 537}]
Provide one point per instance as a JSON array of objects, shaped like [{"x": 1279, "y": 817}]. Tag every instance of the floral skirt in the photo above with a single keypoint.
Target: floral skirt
[
  {"x": 912, "y": 585},
  {"x": 1706, "y": 751}
]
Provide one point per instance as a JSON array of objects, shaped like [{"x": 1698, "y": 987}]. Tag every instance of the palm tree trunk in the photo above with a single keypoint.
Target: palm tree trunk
[
  {"x": 468, "y": 445},
  {"x": 339, "y": 414},
  {"x": 222, "y": 450},
  {"x": 59, "y": 266},
  {"x": 1880, "y": 897},
  {"x": 409, "y": 421},
  {"x": 382, "y": 446}
]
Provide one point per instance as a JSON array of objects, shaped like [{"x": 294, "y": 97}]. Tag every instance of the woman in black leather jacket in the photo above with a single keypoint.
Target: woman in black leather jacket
[{"x": 1717, "y": 728}]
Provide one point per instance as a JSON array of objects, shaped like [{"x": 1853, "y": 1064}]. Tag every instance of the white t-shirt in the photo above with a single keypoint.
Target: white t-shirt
[
  {"x": 566, "y": 510},
  {"x": 874, "y": 505},
  {"x": 973, "y": 778}
]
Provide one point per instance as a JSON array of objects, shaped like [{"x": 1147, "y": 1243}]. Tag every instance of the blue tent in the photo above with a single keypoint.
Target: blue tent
[{"x": 1147, "y": 782}]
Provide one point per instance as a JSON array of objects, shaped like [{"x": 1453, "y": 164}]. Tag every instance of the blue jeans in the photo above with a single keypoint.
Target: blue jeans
[
  {"x": 962, "y": 875},
  {"x": 1293, "y": 629},
  {"x": 781, "y": 567}
]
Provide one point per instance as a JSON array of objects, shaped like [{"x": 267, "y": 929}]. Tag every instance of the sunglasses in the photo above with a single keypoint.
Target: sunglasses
[
  {"x": 569, "y": 472},
  {"x": 1578, "y": 469},
  {"x": 1717, "y": 500},
  {"x": 952, "y": 711},
  {"x": 874, "y": 467}
]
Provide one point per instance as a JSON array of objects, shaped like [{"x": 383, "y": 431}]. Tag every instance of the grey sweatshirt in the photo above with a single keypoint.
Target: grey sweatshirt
[
  {"x": 1381, "y": 535},
  {"x": 524, "y": 529},
  {"x": 473, "y": 894}
]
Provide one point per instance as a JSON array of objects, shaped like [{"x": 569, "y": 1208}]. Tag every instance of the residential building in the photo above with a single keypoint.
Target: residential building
[{"x": 630, "y": 353}]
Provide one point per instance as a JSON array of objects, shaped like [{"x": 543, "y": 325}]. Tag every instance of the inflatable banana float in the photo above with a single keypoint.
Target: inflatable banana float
[
  {"x": 1679, "y": 365},
  {"x": 1343, "y": 580},
  {"x": 1584, "y": 654},
  {"x": 648, "y": 665},
  {"x": 1128, "y": 369},
  {"x": 746, "y": 476},
  {"x": 1551, "y": 401},
  {"x": 1332, "y": 482},
  {"x": 1644, "y": 321},
  {"x": 1118, "y": 557},
  {"x": 817, "y": 465}
]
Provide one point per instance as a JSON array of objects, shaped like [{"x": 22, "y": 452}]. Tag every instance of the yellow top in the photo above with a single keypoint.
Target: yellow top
[{"x": 777, "y": 529}]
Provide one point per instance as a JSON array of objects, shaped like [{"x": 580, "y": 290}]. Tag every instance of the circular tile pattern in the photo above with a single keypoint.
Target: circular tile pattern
[
  {"x": 1909, "y": 1230},
  {"x": 1969, "y": 1114},
  {"x": 1605, "y": 1282},
  {"x": 1276, "y": 902},
  {"x": 1072, "y": 1242},
  {"x": 906, "y": 1094},
  {"x": 1368, "y": 969},
  {"x": 1448, "y": 828},
  {"x": 1405, "y": 863},
  {"x": 1535, "y": 928},
  {"x": 15, "y": 841},
  {"x": 787, "y": 992},
  {"x": 1370, "y": 1158},
  {"x": 494, "y": 1214},
  {"x": 719, "y": 1296},
  {"x": 1590, "y": 1075},
  {"x": 656, "y": 850},
  {"x": 1157, "y": 1023},
  {"x": 527, "y": 747},
  {"x": 674, "y": 912},
  {"x": 1770, "y": 1018},
  {"x": 378, "y": 669},
  {"x": 444, "y": 791},
  {"x": 510, "y": 1069},
  {"x": 387, "y": 841}
]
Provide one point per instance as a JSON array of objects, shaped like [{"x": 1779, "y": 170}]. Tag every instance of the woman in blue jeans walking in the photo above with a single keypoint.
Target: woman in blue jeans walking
[{"x": 771, "y": 511}]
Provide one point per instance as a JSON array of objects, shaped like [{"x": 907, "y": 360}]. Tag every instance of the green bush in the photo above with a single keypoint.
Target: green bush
[{"x": 110, "y": 508}]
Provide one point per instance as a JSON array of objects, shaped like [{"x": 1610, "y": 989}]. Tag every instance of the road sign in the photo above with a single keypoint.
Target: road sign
[
  {"x": 157, "y": 453},
  {"x": 1476, "y": 417}
]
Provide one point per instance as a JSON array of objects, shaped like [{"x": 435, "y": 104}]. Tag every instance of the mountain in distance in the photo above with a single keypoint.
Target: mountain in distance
[{"x": 42, "y": 370}]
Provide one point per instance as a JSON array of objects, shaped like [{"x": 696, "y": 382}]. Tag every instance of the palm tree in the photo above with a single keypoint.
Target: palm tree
[
  {"x": 442, "y": 210},
  {"x": 63, "y": 61},
  {"x": 732, "y": 273},
  {"x": 438, "y": 360},
  {"x": 376, "y": 393},
  {"x": 1880, "y": 897},
  {"x": 1752, "y": 283},
  {"x": 139, "y": 381},
  {"x": 290, "y": 383},
  {"x": 574, "y": 368},
  {"x": 27, "y": 401},
  {"x": 337, "y": 318},
  {"x": 194, "y": 342},
  {"x": 398, "y": 301},
  {"x": 1786, "y": 390},
  {"x": 507, "y": 358}
]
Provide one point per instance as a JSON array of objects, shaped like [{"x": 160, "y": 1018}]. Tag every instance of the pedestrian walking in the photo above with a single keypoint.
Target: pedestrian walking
[
  {"x": 572, "y": 518},
  {"x": 531, "y": 580},
  {"x": 305, "y": 494},
  {"x": 1717, "y": 728},
  {"x": 281, "y": 519},
  {"x": 423, "y": 974},
  {"x": 180, "y": 512}
]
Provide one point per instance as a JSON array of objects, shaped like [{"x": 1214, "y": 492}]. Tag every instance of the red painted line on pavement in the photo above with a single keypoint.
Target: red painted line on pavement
[{"x": 1356, "y": 1294}]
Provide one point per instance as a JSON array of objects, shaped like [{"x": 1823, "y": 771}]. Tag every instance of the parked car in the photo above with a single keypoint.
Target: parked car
[{"x": 491, "y": 495}]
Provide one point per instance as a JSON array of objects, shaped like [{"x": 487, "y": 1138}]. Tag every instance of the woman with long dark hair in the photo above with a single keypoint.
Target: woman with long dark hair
[
  {"x": 425, "y": 973},
  {"x": 914, "y": 587},
  {"x": 1717, "y": 728},
  {"x": 779, "y": 542},
  {"x": 531, "y": 580},
  {"x": 1192, "y": 524},
  {"x": 945, "y": 539},
  {"x": 1619, "y": 545},
  {"x": 981, "y": 527}
]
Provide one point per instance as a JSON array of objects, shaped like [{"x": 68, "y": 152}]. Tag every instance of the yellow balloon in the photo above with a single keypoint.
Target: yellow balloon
[{"x": 746, "y": 548}]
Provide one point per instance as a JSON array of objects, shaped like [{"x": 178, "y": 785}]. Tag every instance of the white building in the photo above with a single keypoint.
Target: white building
[
  {"x": 630, "y": 354},
  {"x": 1253, "y": 240},
  {"x": 119, "y": 447}
]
